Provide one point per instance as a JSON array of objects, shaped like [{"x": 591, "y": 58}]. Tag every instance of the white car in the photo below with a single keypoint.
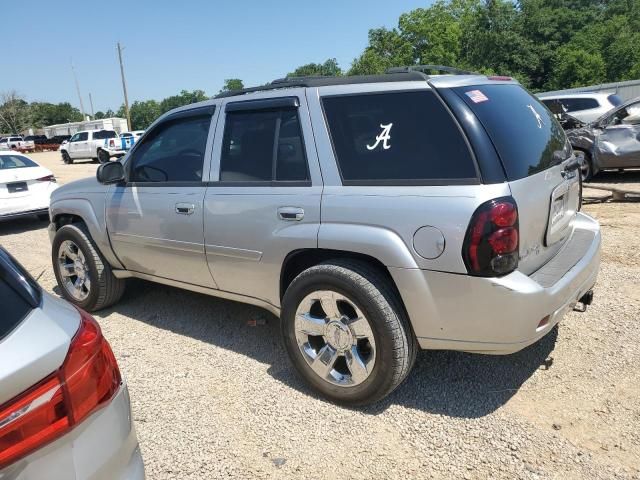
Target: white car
[
  {"x": 25, "y": 186},
  {"x": 586, "y": 107},
  {"x": 64, "y": 408},
  {"x": 11, "y": 143}
]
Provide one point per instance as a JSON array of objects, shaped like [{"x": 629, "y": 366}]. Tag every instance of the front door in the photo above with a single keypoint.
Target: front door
[
  {"x": 618, "y": 145},
  {"x": 77, "y": 144},
  {"x": 155, "y": 221},
  {"x": 264, "y": 198}
]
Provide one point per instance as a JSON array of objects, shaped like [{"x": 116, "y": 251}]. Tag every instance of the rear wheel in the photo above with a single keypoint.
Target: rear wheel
[
  {"x": 103, "y": 156},
  {"x": 346, "y": 332},
  {"x": 83, "y": 275},
  {"x": 66, "y": 158}
]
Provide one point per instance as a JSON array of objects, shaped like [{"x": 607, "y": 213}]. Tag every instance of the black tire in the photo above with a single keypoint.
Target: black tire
[
  {"x": 586, "y": 165},
  {"x": 66, "y": 158},
  {"x": 375, "y": 296},
  {"x": 105, "y": 289},
  {"x": 103, "y": 156}
]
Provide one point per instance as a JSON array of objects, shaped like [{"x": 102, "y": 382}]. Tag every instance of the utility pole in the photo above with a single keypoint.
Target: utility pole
[
  {"x": 91, "y": 102},
  {"x": 78, "y": 90},
  {"x": 124, "y": 88}
]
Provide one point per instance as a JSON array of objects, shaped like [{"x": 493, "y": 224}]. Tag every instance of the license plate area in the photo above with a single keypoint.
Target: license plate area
[
  {"x": 562, "y": 209},
  {"x": 17, "y": 187}
]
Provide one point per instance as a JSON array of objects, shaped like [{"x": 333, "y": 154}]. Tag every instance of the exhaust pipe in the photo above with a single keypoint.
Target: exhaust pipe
[{"x": 583, "y": 302}]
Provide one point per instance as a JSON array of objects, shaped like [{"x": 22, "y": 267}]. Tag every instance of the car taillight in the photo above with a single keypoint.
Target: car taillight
[
  {"x": 112, "y": 143},
  {"x": 48, "y": 178},
  {"x": 88, "y": 379},
  {"x": 491, "y": 243}
]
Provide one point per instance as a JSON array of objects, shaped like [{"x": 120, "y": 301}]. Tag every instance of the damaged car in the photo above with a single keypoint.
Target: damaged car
[{"x": 611, "y": 142}]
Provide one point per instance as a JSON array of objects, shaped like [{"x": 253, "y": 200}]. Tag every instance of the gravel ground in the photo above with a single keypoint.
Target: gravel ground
[{"x": 214, "y": 397}]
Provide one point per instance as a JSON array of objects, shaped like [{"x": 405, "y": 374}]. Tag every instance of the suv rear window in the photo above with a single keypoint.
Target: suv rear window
[
  {"x": 526, "y": 135},
  {"x": 399, "y": 138},
  {"x": 102, "y": 134}
]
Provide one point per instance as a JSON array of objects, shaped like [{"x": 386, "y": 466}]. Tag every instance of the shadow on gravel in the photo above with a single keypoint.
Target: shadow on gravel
[
  {"x": 21, "y": 225},
  {"x": 613, "y": 176},
  {"x": 448, "y": 383}
]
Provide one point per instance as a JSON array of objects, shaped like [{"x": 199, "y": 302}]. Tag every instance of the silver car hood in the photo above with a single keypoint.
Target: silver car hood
[{"x": 84, "y": 185}]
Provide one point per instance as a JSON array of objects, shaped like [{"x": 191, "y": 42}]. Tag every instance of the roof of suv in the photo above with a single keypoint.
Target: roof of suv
[{"x": 397, "y": 74}]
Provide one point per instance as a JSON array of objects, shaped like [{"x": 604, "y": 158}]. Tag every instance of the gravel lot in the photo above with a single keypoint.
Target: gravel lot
[{"x": 214, "y": 397}]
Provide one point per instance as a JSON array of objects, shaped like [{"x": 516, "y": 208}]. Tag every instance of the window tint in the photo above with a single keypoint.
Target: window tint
[
  {"x": 102, "y": 134},
  {"x": 405, "y": 137},
  {"x": 82, "y": 137},
  {"x": 172, "y": 152},
  {"x": 14, "y": 308},
  {"x": 15, "y": 161},
  {"x": 577, "y": 104},
  {"x": 250, "y": 152},
  {"x": 526, "y": 135}
]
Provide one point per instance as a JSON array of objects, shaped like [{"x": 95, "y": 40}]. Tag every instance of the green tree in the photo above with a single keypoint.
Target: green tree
[
  {"x": 184, "y": 98},
  {"x": 386, "y": 49},
  {"x": 14, "y": 112},
  {"x": 143, "y": 113},
  {"x": 231, "y": 84},
  {"x": 329, "y": 68},
  {"x": 43, "y": 113}
]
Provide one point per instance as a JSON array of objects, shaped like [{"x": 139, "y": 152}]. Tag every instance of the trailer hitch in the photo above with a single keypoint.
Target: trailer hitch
[{"x": 585, "y": 300}]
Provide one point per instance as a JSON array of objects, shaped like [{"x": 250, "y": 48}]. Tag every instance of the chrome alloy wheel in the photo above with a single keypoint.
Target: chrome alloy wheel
[
  {"x": 74, "y": 270},
  {"x": 335, "y": 338}
]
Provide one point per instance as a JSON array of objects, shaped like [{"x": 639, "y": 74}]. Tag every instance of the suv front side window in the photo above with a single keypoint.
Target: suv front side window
[
  {"x": 173, "y": 151},
  {"x": 263, "y": 146}
]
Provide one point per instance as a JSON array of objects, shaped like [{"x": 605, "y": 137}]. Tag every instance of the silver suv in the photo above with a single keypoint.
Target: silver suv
[{"x": 374, "y": 215}]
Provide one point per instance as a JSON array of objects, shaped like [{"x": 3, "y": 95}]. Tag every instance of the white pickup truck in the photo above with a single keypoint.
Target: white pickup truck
[
  {"x": 16, "y": 143},
  {"x": 99, "y": 145}
]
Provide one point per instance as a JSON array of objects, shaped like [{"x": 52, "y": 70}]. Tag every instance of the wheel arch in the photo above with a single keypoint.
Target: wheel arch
[{"x": 66, "y": 212}]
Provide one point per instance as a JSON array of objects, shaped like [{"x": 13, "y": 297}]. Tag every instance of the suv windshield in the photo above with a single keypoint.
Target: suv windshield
[
  {"x": 525, "y": 133},
  {"x": 102, "y": 134}
]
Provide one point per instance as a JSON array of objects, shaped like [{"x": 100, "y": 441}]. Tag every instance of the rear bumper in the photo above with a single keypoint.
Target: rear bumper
[
  {"x": 500, "y": 315},
  {"x": 102, "y": 447}
]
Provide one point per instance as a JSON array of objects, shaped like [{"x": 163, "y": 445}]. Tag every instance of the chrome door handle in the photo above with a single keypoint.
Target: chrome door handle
[
  {"x": 185, "y": 208},
  {"x": 291, "y": 214}
]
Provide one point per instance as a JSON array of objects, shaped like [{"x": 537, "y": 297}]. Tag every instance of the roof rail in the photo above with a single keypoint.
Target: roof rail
[
  {"x": 429, "y": 68},
  {"x": 319, "y": 81}
]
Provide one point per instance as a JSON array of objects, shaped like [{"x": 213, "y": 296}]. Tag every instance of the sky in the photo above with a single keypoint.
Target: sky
[{"x": 176, "y": 45}]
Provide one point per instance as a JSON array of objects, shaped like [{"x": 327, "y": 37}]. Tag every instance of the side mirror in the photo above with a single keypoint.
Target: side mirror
[{"x": 110, "y": 172}]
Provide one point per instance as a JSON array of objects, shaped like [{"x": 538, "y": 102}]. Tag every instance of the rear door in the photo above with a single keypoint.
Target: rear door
[
  {"x": 264, "y": 198},
  {"x": 155, "y": 220},
  {"x": 535, "y": 156}
]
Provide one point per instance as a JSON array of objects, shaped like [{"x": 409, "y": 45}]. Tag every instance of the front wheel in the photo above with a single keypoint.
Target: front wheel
[
  {"x": 103, "y": 156},
  {"x": 346, "y": 333},
  {"x": 83, "y": 275},
  {"x": 586, "y": 169},
  {"x": 66, "y": 158}
]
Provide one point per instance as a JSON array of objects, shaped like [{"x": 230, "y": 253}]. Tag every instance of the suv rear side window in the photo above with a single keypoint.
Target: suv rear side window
[
  {"x": 173, "y": 151},
  {"x": 399, "y": 138},
  {"x": 263, "y": 146},
  {"x": 526, "y": 135}
]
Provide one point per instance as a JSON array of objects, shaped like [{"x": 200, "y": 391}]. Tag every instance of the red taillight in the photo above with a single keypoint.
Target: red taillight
[
  {"x": 87, "y": 380},
  {"x": 112, "y": 143},
  {"x": 491, "y": 243},
  {"x": 48, "y": 178}
]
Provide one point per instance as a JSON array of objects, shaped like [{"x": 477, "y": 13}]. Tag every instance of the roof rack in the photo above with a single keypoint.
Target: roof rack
[
  {"x": 397, "y": 74},
  {"x": 429, "y": 68}
]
